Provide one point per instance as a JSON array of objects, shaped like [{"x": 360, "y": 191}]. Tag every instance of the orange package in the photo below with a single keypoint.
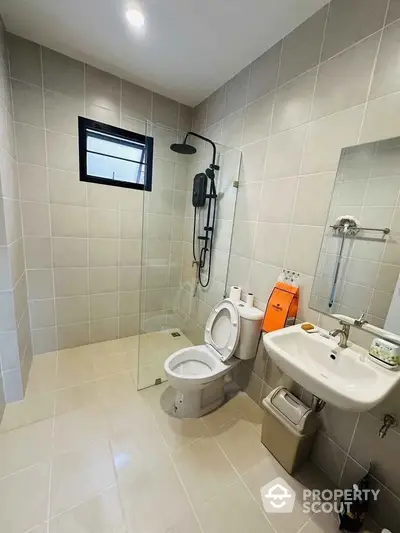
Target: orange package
[{"x": 282, "y": 305}]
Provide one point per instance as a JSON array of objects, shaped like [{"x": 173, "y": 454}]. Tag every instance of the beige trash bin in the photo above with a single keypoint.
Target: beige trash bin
[{"x": 288, "y": 429}]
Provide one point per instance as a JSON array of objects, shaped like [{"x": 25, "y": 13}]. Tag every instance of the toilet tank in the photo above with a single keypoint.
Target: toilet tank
[{"x": 250, "y": 328}]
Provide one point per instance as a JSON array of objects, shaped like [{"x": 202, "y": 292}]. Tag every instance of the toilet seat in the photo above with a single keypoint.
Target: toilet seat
[{"x": 223, "y": 329}]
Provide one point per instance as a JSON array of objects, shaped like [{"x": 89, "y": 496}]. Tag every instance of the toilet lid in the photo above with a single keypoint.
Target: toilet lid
[{"x": 223, "y": 329}]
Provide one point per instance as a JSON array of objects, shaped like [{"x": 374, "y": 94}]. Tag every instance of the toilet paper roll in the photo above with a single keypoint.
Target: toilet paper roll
[
  {"x": 235, "y": 293},
  {"x": 250, "y": 299}
]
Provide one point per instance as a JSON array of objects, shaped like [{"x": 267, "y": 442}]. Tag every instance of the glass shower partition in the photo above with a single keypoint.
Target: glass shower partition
[{"x": 173, "y": 306}]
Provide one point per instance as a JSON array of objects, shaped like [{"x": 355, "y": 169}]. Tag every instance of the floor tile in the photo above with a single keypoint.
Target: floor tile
[
  {"x": 109, "y": 364},
  {"x": 28, "y": 489},
  {"x": 235, "y": 511},
  {"x": 154, "y": 499},
  {"x": 79, "y": 418},
  {"x": 79, "y": 474},
  {"x": 242, "y": 444},
  {"x": 179, "y": 432},
  {"x": 137, "y": 450},
  {"x": 101, "y": 514},
  {"x": 204, "y": 470},
  {"x": 31, "y": 409},
  {"x": 25, "y": 446},
  {"x": 74, "y": 367},
  {"x": 262, "y": 474}
]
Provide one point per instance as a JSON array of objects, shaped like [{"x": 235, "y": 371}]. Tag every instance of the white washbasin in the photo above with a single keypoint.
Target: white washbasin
[{"x": 344, "y": 377}]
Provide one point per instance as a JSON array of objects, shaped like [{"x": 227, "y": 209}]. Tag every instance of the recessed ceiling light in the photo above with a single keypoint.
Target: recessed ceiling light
[{"x": 135, "y": 18}]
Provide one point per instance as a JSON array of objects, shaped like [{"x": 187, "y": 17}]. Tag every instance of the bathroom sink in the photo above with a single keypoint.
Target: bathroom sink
[{"x": 344, "y": 377}]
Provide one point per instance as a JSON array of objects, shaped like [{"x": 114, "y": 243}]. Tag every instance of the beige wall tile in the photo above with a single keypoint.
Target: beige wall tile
[
  {"x": 72, "y": 310},
  {"x": 35, "y": 219},
  {"x": 37, "y": 252},
  {"x": 30, "y": 145},
  {"x": 103, "y": 252},
  {"x": 25, "y": 62},
  {"x": 5, "y": 269},
  {"x": 393, "y": 12},
  {"x": 303, "y": 248},
  {"x": 68, "y": 252},
  {"x": 293, "y": 102},
  {"x": 33, "y": 183},
  {"x": 28, "y": 104},
  {"x": 103, "y": 306},
  {"x": 185, "y": 118},
  {"x": 387, "y": 75},
  {"x": 301, "y": 48},
  {"x": 129, "y": 278},
  {"x": 236, "y": 91},
  {"x": 65, "y": 188},
  {"x": 136, "y": 101},
  {"x": 264, "y": 73},
  {"x": 68, "y": 221},
  {"x": 344, "y": 80},
  {"x": 216, "y": 106},
  {"x": 104, "y": 330},
  {"x": 62, "y": 74},
  {"x": 271, "y": 242},
  {"x": 349, "y": 23},
  {"x": 313, "y": 186},
  {"x": 40, "y": 284},
  {"x": 103, "y": 280},
  {"x": 42, "y": 313},
  {"x": 102, "y": 89},
  {"x": 62, "y": 112},
  {"x": 277, "y": 200},
  {"x": 290, "y": 143},
  {"x": 326, "y": 137},
  {"x": 257, "y": 119},
  {"x": 62, "y": 151},
  {"x": 165, "y": 111},
  {"x": 72, "y": 335},
  {"x": 71, "y": 282}
]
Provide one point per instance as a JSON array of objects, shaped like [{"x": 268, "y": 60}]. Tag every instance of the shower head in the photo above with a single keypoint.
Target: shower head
[{"x": 183, "y": 148}]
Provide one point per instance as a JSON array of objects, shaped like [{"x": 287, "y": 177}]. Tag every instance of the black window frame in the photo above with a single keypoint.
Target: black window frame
[{"x": 85, "y": 124}]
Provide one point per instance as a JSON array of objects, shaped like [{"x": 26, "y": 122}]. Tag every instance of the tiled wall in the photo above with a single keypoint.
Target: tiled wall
[
  {"x": 15, "y": 345},
  {"x": 83, "y": 242},
  {"x": 368, "y": 187},
  {"x": 333, "y": 82},
  {"x": 195, "y": 301}
]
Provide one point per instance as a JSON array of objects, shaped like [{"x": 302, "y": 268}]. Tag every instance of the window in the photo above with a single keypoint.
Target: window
[{"x": 113, "y": 156}]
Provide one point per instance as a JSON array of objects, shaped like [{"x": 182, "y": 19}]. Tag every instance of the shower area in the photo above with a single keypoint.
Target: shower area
[{"x": 186, "y": 239}]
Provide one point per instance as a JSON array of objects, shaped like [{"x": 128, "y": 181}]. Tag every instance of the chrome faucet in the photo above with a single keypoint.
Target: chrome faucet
[
  {"x": 359, "y": 322},
  {"x": 344, "y": 334}
]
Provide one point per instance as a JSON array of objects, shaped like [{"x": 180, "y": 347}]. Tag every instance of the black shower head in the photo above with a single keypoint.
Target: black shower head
[{"x": 183, "y": 148}]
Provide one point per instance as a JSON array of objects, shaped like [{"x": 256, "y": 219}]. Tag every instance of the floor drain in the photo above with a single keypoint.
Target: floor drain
[{"x": 175, "y": 334}]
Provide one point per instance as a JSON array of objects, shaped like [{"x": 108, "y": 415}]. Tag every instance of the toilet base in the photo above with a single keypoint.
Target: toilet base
[{"x": 197, "y": 402}]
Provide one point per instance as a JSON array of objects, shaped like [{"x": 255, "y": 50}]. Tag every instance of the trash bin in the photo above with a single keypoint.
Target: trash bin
[{"x": 288, "y": 429}]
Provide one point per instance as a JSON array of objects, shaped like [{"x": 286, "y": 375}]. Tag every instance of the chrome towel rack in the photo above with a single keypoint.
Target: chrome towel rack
[{"x": 355, "y": 230}]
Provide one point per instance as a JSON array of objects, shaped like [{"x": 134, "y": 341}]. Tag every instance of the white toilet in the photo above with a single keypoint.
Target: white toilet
[{"x": 197, "y": 373}]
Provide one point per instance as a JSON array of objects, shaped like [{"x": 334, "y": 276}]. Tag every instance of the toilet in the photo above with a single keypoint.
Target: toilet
[{"x": 198, "y": 373}]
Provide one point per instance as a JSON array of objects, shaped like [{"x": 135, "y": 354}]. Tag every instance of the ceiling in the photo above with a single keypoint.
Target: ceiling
[{"x": 187, "y": 49}]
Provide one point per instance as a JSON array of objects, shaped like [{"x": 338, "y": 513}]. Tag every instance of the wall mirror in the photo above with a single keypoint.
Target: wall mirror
[{"x": 359, "y": 262}]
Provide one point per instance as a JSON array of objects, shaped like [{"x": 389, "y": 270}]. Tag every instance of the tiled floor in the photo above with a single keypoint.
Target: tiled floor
[
  {"x": 154, "y": 349},
  {"x": 85, "y": 452}
]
